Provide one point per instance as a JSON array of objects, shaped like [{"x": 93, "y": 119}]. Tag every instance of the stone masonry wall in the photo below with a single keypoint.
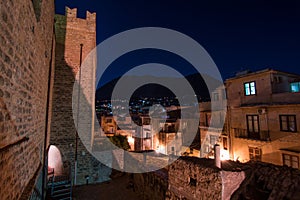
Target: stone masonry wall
[
  {"x": 71, "y": 32},
  {"x": 197, "y": 178},
  {"x": 26, "y": 34},
  {"x": 268, "y": 181},
  {"x": 194, "y": 178},
  {"x": 151, "y": 185}
]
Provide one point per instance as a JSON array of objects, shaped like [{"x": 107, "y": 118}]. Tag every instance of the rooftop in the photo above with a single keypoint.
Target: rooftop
[{"x": 268, "y": 70}]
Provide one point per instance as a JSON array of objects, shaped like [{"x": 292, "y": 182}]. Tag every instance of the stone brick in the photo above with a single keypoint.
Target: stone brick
[
  {"x": 20, "y": 159},
  {"x": 71, "y": 32}
]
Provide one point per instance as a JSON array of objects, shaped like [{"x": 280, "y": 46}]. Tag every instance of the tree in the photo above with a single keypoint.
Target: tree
[{"x": 120, "y": 141}]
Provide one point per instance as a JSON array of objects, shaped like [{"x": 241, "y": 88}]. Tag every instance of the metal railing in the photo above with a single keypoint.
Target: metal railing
[{"x": 262, "y": 135}]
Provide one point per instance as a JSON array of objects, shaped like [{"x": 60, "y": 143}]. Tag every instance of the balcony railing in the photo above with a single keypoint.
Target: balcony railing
[{"x": 244, "y": 133}]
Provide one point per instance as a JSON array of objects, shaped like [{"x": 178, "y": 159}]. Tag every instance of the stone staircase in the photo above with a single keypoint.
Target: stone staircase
[{"x": 60, "y": 188}]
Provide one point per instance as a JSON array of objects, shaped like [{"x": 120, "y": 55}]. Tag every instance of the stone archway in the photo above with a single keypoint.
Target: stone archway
[{"x": 55, "y": 161}]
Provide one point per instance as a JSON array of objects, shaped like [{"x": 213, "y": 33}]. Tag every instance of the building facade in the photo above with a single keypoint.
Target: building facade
[
  {"x": 213, "y": 124},
  {"x": 263, "y": 115}
]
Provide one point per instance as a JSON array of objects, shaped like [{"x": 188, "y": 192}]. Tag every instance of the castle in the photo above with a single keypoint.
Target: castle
[
  {"x": 40, "y": 58},
  {"x": 75, "y": 39}
]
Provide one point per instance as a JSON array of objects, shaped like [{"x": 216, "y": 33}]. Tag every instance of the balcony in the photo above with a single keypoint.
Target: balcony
[{"x": 243, "y": 133}]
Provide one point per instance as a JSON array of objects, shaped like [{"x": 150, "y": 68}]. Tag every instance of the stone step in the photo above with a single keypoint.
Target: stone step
[{"x": 60, "y": 196}]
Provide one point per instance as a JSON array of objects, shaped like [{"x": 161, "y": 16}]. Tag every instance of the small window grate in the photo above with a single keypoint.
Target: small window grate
[{"x": 193, "y": 182}]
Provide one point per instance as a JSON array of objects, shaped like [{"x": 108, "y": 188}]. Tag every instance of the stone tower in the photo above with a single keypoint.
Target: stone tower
[{"x": 75, "y": 39}]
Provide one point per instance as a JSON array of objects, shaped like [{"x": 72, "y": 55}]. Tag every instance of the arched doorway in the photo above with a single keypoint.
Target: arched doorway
[{"x": 55, "y": 162}]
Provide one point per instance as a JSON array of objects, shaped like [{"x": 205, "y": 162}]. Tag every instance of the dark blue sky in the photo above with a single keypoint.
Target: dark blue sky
[{"x": 237, "y": 34}]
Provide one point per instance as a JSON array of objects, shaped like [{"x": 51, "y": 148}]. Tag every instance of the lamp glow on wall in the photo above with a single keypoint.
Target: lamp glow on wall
[
  {"x": 225, "y": 155},
  {"x": 55, "y": 160}
]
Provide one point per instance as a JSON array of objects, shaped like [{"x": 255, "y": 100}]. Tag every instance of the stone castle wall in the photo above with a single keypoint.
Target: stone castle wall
[
  {"x": 198, "y": 178},
  {"x": 186, "y": 178},
  {"x": 26, "y": 43},
  {"x": 151, "y": 185},
  {"x": 194, "y": 178},
  {"x": 268, "y": 181},
  {"x": 71, "y": 33}
]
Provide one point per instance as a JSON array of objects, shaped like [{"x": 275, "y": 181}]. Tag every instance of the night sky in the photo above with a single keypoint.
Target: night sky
[{"x": 238, "y": 35}]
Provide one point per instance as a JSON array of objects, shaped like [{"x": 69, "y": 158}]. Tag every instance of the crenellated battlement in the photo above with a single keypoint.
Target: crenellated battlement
[
  {"x": 71, "y": 19},
  {"x": 72, "y": 13}
]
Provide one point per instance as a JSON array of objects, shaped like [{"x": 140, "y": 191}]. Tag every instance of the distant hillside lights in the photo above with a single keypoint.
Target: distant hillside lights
[{"x": 261, "y": 123}]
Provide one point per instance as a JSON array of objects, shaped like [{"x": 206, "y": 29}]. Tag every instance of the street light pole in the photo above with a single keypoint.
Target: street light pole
[{"x": 77, "y": 123}]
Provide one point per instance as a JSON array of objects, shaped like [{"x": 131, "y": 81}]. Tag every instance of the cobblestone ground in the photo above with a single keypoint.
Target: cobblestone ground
[{"x": 116, "y": 189}]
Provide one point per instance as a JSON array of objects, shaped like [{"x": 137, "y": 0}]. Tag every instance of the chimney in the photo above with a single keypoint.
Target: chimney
[{"x": 217, "y": 155}]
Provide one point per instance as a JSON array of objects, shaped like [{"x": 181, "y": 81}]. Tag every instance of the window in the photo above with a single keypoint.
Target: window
[
  {"x": 288, "y": 123},
  {"x": 250, "y": 88},
  {"x": 224, "y": 96},
  {"x": 191, "y": 151},
  {"x": 295, "y": 87},
  {"x": 148, "y": 135},
  {"x": 213, "y": 139},
  {"x": 193, "y": 182},
  {"x": 277, "y": 79},
  {"x": 206, "y": 148},
  {"x": 173, "y": 150},
  {"x": 291, "y": 160},
  {"x": 253, "y": 126},
  {"x": 225, "y": 143},
  {"x": 111, "y": 129},
  {"x": 255, "y": 154},
  {"x": 215, "y": 96},
  {"x": 207, "y": 119}
]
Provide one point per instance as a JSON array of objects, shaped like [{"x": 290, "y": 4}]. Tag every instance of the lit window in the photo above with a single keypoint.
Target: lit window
[
  {"x": 250, "y": 88},
  {"x": 295, "y": 87},
  {"x": 291, "y": 160},
  {"x": 255, "y": 154},
  {"x": 288, "y": 123}
]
